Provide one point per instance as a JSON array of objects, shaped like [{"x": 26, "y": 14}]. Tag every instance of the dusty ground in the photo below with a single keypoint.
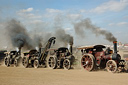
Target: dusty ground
[{"x": 45, "y": 76}]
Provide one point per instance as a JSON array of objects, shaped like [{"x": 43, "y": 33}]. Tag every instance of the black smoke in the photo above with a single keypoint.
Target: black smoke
[
  {"x": 19, "y": 36},
  {"x": 86, "y": 24},
  {"x": 63, "y": 36}
]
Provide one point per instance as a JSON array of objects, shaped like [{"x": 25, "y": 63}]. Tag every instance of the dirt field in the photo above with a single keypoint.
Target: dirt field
[{"x": 45, "y": 76}]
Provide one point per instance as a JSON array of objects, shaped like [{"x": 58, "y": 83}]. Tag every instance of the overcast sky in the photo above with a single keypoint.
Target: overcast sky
[{"x": 110, "y": 15}]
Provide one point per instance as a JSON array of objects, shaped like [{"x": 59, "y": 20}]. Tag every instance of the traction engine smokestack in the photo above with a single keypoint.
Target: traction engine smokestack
[
  {"x": 115, "y": 55},
  {"x": 115, "y": 46},
  {"x": 71, "y": 44},
  {"x": 19, "y": 50},
  {"x": 71, "y": 49}
]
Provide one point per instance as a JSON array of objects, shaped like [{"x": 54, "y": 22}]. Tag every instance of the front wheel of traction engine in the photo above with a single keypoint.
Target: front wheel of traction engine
[
  {"x": 111, "y": 66},
  {"x": 88, "y": 62},
  {"x": 52, "y": 62},
  {"x": 67, "y": 64},
  {"x": 36, "y": 64},
  {"x": 15, "y": 63},
  {"x": 25, "y": 62},
  {"x": 7, "y": 61}
]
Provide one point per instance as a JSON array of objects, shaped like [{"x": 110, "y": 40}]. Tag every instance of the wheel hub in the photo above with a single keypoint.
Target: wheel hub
[
  {"x": 86, "y": 62},
  {"x": 110, "y": 66}
]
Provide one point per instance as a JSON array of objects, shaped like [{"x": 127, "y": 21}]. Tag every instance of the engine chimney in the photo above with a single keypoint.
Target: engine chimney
[
  {"x": 20, "y": 50},
  {"x": 71, "y": 49},
  {"x": 115, "y": 46},
  {"x": 71, "y": 44},
  {"x": 115, "y": 55}
]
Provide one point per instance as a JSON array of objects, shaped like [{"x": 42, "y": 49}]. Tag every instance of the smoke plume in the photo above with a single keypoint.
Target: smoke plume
[
  {"x": 81, "y": 27},
  {"x": 38, "y": 41},
  {"x": 63, "y": 36},
  {"x": 60, "y": 33},
  {"x": 18, "y": 35}
]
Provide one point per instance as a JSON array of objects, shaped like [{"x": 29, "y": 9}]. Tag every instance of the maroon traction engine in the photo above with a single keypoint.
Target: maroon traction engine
[{"x": 94, "y": 57}]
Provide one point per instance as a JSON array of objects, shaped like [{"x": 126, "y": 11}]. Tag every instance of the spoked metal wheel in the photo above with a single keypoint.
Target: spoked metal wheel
[
  {"x": 60, "y": 63},
  {"x": 36, "y": 64},
  {"x": 52, "y": 62},
  {"x": 88, "y": 62},
  {"x": 111, "y": 66},
  {"x": 7, "y": 61},
  {"x": 67, "y": 64},
  {"x": 25, "y": 62},
  {"x": 15, "y": 63}
]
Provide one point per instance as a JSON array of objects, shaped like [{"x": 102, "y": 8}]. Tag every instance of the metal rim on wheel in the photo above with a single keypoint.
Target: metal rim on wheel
[
  {"x": 15, "y": 63},
  {"x": 52, "y": 62},
  {"x": 111, "y": 66},
  {"x": 7, "y": 61},
  {"x": 36, "y": 64},
  {"x": 87, "y": 62},
  {"x": 67, "y": 64},
  {"x": 25, "y": 62}
]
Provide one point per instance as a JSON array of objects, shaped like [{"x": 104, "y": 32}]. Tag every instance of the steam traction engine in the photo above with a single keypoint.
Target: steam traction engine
[
  {"x": 94, "y": 57},
  {"x": 12, "y": 58},
  {"x": 61, "y": 58},
  {"x": 116, "y": 64},
  {"x": 37, "y": 58}
]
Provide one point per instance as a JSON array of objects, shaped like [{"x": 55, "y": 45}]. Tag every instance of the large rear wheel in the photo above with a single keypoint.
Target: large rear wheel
[
  {"x": 111, "y": 66},
  {"x": 52, "y": 62},
  {"x": 88, "y": 62}
]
